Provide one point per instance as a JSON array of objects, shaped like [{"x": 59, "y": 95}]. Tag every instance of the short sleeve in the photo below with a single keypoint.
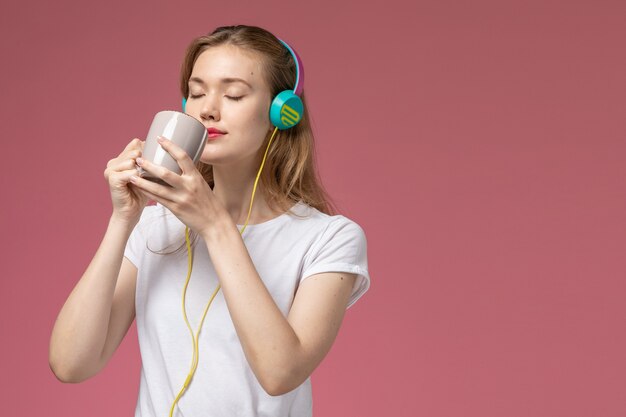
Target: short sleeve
[{"x": 341, "y": 248}]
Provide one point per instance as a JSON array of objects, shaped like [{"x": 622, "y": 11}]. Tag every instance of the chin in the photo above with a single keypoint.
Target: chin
[{"x": 211, "y": 159}]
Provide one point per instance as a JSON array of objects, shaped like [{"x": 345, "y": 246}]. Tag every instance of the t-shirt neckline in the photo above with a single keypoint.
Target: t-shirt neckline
[
  {"x": 298, "y": 208},
  {"x": 278, "y": 219}
]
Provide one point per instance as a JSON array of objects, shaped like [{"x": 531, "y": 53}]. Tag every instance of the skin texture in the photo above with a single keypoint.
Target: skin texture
[{"x": 282, "y": 351}]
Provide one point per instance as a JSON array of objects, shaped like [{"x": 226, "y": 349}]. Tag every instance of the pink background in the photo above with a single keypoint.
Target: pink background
[{"x": 480, "y": 144}]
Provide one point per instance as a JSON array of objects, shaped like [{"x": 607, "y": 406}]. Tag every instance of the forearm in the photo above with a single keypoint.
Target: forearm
[
  {"x": 270, "y": 344},
  {"x": 81, "y": 327}
]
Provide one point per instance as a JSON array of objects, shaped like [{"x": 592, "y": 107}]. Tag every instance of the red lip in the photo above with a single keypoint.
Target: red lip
[{"x": 213, "y": 132}]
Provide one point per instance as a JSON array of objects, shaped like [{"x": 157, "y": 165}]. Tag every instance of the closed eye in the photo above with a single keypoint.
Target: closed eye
[{"x": 234, "y": 98}]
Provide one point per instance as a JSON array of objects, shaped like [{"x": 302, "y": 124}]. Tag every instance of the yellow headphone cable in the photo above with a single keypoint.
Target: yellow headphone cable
[{"x": 195, "y": 338}]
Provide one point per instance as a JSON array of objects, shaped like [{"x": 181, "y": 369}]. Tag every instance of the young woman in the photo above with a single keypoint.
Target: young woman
[{"x": 235, "y": 324}]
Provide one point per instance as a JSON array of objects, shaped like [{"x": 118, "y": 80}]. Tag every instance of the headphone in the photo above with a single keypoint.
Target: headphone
[{"x": 287, "y": 108}]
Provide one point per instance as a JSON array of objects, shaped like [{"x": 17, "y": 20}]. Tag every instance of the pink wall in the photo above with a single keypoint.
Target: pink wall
[{"x": 480, "y": 144}]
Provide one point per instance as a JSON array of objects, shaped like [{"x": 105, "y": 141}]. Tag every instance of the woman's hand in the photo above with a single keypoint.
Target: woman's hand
[
  {"x": 128, "y": 202},
  {"x": 189, "y": 198}
]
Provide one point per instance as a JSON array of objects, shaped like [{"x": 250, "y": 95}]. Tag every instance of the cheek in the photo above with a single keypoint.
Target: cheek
[
  {"x": 261, "y": 127},
  {"x": 191, "y": 110},
  {"x": 258, "y": 119},
  {"x": 263, "y": 116}
]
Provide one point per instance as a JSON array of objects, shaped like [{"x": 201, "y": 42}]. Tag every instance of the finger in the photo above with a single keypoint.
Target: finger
[
  {"x": 131, "y": 154},
  {"x": 162, "y": 192},
  {"x": 127, "y": 154},
  {"x": 179, "y": 154},
  {"x": 119, "y": 178},
  {"x": 133, "y": 144},
  {"x": 148, "y": 194},
  {"x": 153, "y": 197},
  {"x": 158, "y": 171},
  {"x": 119, "y": 164}
]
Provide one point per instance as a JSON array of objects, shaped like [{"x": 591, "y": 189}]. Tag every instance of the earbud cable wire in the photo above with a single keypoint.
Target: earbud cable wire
[{"x": 195, "y": 338}]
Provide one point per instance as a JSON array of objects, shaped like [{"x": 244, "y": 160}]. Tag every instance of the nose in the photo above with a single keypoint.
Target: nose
[{"x": 210, "y": 108}]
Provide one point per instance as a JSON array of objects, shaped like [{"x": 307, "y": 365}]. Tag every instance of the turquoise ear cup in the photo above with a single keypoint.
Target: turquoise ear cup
[
  {"x": 286, "y": 110},
  {"x": 184, "y": 103}
]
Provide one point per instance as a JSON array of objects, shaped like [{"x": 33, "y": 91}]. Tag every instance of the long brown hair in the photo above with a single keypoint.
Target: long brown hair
[{"x": 289, "y": 174}]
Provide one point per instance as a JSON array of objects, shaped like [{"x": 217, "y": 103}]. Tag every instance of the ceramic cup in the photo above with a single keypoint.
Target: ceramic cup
[{"x": 180, "y": 128}]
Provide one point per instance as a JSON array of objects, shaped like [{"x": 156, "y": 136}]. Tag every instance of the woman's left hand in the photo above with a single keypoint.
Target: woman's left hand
[{"x": 189, "y": 198}]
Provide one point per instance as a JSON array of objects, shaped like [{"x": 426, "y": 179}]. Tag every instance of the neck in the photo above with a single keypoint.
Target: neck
[{"x": 233, "y": 188}]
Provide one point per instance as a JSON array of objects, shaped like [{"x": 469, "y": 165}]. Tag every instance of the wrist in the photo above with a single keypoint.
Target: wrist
[
  {"x": 220, "y": 228},
  {"x": 123, "y": 222}
]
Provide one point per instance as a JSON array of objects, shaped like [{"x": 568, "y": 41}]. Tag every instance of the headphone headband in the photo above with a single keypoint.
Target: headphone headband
[{"x": 297, "y": 89}]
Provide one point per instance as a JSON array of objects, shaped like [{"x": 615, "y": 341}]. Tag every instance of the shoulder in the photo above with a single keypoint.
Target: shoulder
[
  {"x": 328, "y": 233},
  {"x": 324, "y": 224}
]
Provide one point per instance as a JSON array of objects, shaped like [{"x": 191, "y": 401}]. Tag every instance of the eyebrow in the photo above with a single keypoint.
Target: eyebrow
[{"x": 222, "y": 81}]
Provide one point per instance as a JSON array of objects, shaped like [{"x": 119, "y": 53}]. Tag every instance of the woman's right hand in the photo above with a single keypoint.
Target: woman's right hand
[{"x": 128, "y": 201}]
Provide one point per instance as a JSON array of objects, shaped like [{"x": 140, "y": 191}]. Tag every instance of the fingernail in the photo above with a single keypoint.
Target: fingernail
[
  {"x": 160, "y": 139},
  {"x": 139, "y": 161},
  {"x": 133, "y": 178}
]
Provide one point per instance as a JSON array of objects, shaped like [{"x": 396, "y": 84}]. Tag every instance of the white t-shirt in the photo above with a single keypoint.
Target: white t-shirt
[{"x": 285, "y": 250}]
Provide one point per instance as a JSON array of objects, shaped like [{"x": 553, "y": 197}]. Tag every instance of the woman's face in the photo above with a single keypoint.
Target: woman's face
[{"x": 228, "y": 92}]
